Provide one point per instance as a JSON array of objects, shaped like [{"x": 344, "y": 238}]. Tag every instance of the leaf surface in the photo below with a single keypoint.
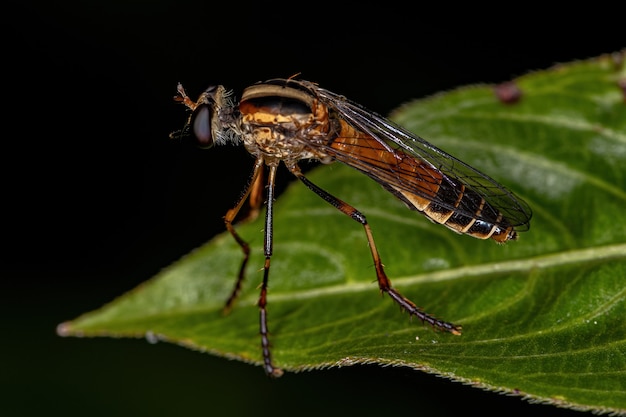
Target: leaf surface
[{"x": 543, "y": 317}]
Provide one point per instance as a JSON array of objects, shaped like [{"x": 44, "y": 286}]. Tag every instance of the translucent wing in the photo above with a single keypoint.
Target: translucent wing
[{"x": 406, "y": 165}]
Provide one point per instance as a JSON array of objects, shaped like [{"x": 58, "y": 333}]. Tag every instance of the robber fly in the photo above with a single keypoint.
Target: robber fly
[{"x": 288, "y": 120}]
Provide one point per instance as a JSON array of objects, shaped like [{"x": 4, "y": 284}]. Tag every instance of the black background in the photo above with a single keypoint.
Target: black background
[{"x": 96, "y": 198}]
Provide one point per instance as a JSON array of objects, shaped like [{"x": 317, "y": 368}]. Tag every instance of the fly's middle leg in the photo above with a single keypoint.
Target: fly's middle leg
[{"x": 268, "y": 365}]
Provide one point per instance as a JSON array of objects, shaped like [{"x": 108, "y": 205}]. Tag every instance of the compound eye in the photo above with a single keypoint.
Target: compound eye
[{"x": 201, "y": 126}]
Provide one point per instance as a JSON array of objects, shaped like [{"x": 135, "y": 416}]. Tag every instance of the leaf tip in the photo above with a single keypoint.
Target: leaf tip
[{"x": 65, "y": 329}]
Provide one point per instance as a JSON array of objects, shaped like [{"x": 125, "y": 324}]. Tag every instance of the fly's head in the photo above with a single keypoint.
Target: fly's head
[{"x": 213, "y": 117}]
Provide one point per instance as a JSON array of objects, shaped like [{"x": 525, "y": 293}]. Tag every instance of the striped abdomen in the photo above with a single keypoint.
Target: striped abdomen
[{"x": 422, "y": 187}]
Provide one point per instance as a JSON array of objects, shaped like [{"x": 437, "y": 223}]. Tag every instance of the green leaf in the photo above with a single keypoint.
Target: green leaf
[{"x": 542, "y": 317}]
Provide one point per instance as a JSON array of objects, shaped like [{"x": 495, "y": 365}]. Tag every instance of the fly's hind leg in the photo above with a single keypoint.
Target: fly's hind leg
[{"x": 383, "y": 281}]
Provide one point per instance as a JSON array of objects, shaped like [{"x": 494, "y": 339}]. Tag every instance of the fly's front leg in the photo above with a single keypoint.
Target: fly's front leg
[
  {"x": 383, "y": 281},
  {"x": 229, "y": 218},
  {"x": 253, "y": 191}
]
